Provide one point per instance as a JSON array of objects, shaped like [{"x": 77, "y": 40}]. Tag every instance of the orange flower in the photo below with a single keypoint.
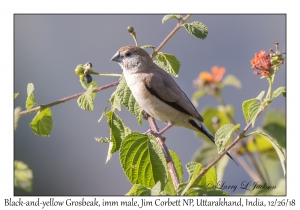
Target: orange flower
[
  {"x": 262, "y": 63},
  {"x": 216, "y": 76}
]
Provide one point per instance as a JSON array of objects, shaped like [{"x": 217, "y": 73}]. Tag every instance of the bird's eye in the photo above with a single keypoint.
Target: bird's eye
[{"x": 128, "y": 53}]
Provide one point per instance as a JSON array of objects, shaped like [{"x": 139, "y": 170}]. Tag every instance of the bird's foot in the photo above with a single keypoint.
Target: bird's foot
[{"x": 156, "y": 134}]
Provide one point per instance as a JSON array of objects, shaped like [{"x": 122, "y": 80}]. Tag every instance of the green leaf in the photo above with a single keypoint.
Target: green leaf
[
  {"x": 231, "y": 80},
  {"x": 279, "y": 150},
  {"x": 118, "y": 131},
  {"x": 167, "y": 17},
  {"x": 261, "y": 95},
  {"x": 22, "y": 176},
  {"x": 30, "y": 101},
  {"x": 219, "y": 112},
  {"x": 197, "y": 95},
  {"x": 253, "y": 110},
  {"x": 207, "y": 181},
  {"x": 17, "y": 116},
  {"x": 245, "y": 107},
  {"x": 124, "y": 94},
  {"x": 148, "y": 46},
  {"x": 275, "y": 125},
  {"x": 86, "y": 86},
  {"x": 16, "y": 95},
  {"x": 278, "y": 91},
  {"x": 139, "y": 190},
  {"x": 170, "y": 61},
  {"x": 102, "y": 140},
  {"x": 193, "y": 169},
  {"x": 41, "y": 124},
  {"x": 169, "y": 188},
  {"x": 115, "y": 101},
  {"x": 156, "y": 189},
  {"x": 223, "y": 135},
  {"x": 197, "y": 29},
  {"x": 85, "y": 101},
  {"x": 206, "y": 154},
  {"x": 196, "y": 191},
  {"x": 142, "y": 160}
]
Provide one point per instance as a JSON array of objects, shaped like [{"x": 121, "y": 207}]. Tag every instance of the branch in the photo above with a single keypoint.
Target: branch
[
  {"x": 238, "y": 138},
  {"x": 248, "y": 153},
  {"x": 66, "y": 99}
]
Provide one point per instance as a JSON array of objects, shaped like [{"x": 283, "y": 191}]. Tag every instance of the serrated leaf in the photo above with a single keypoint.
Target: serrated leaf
[
  {"x": 206, "y": 154},
  {"x": 139, "y": 190},
  {"x": 197, "y": 29},
  {"x": 231, "y": 80},
  {"x": 17, "y": 116},
  {"x": 261, "y": 95},
  {"x": 253, "y": 110},
  {"x": 207, "y": 181},
  {"x": 22, "y": 176},
  {"x": 41, "y": 124},
  {"x": 169, "y": 188},
  {"x": 115, "y": 101},
  {"x": 193, "y": 169},
  {"x": 162, "y": 65},
  {"x": 103, "y": 140},
  {"x": 278, "y": 91},
  {"x": 124, "y": 94},
  {"x": 148, "y": 46},
  {"x": 279, "y": 150},
  {"x": 85, "y": 101},
  {"x": 170, "y": 61},
  {"x": 198, "y": 191},
  {"x": 30, "y": 101},
  {"x": 142, "y": 160},
  {"x": 275, "y": 125},
  {"x": 86, "y": 85},
  {"x": 167, "y": 17},
  {"x": 118, "y": 131},
  {"x": 223, "y": 135},
  {"x": 156, "y": 189},
  {"x": 197, "y": 95},
  {"x": 245, "y": 108},
  {"x": 16, "y": 95}
]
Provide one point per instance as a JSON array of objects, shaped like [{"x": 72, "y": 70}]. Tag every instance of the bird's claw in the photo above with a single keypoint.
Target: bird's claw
[{"x": 156, "y": 134}]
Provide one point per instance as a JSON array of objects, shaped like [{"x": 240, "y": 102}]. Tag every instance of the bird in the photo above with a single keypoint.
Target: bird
[{"x": 157, "y": 93}]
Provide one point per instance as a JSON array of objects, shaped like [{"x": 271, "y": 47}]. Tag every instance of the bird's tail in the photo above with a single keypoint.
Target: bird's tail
[{"x": 203, "y": 129}]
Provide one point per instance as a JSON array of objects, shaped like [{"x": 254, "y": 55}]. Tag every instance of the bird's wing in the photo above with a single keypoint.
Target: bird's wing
[{"x": 163, "y": 86}]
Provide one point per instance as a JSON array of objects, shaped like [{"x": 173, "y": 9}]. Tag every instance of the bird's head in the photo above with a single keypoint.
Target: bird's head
[{"x": 132, "y": 59}]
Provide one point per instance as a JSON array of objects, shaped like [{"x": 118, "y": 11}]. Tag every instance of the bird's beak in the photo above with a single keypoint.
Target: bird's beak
[{"x": 117, "y": 57}]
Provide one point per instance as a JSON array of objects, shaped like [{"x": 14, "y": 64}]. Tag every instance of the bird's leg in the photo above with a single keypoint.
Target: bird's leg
[{"x": 158, "y": 134}]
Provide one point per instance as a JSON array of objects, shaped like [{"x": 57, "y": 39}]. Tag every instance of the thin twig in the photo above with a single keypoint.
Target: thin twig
[
  {"x": 238, "y": 138},
  {"x": 66, "y": 99},
  {"x": 247, "y": 152},
  {"x": 262, "y": 162},
  {"x": 170, "y": 35},
  {"x": 247, "y": 168}
]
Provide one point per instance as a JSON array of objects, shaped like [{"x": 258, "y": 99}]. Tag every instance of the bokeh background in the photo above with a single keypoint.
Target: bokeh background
[{"x": 47, "y": 48}]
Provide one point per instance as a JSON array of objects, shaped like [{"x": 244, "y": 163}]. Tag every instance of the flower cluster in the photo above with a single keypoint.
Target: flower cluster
[
  {"x": 206, "y": 78},
  {"x": 262, "y": 63}
]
